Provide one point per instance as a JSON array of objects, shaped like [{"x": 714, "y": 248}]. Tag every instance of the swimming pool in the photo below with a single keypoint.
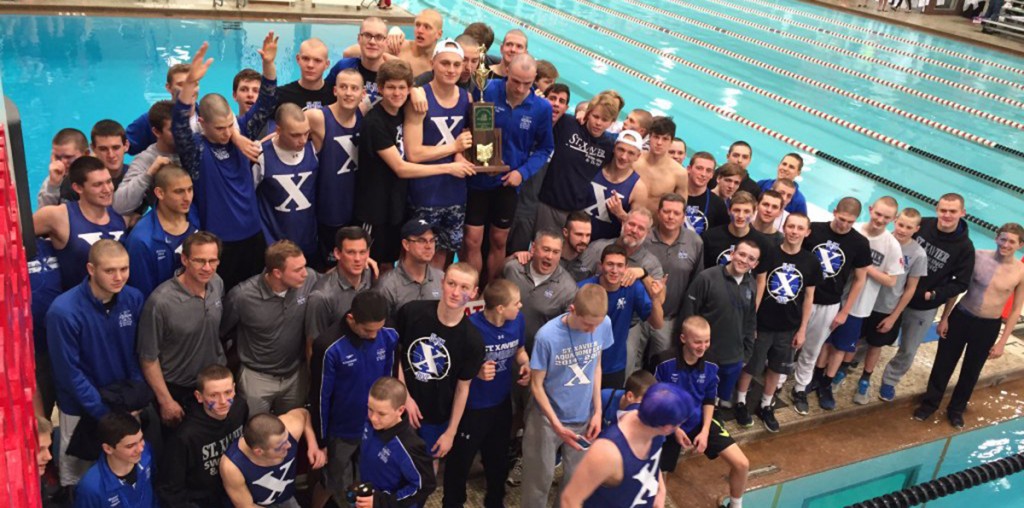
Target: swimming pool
[
  {"x": 871, "y": 478},
  {"x": 73, "y": 71}
]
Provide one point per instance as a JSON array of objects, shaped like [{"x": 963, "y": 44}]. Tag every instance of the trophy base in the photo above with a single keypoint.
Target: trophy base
[{"x": 491, "y": 169}]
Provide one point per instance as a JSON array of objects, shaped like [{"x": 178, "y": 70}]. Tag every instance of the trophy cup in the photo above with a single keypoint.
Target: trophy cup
[{"x": 485, "y": 154}]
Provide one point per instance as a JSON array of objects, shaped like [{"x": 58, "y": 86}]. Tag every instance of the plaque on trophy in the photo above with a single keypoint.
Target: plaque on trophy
[{"x": 485, "y": 154}]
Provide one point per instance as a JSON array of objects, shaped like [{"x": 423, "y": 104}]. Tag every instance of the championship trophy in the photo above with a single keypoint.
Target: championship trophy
[{"x": 485, "y": 154}]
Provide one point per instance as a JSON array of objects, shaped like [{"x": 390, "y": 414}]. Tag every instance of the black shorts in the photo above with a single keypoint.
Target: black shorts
[
  {"x": 385, "y": 242},
  {"x": 718, "y": 439},
  {"x": 774, "y": 349},
  {"x": 496, "y": 207},
  {"x": 875, "y": 338}
]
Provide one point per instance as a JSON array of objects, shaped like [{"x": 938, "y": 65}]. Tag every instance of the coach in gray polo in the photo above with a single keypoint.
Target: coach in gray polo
[
  {"x": 545, "y": 288},
  {"x": 680, "y": 251},
  {"x": 634, "y": 233},
  {"x": 178, "y": 333},
  {"x": 266, "y": 313},
  {"x": 333, "y": 294},
  {"x": 413, "y": 278}
]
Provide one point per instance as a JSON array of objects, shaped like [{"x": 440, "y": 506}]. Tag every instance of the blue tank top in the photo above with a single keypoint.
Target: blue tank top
[
  {"x": 604, "y": 224},
  {"x": 81, "y": 235},
  {"x": 268, "y": 485},
  {"x": 440, "y": 127},
  {"x": 639, "y": 484},
  {"x": 339, "y": 160},
  {"x": 286, "y": 197}
]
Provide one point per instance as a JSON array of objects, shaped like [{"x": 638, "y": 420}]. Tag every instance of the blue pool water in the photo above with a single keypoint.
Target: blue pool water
[
  {"x": 871, "y": 478},
  {"x": 73, "y": 71}
]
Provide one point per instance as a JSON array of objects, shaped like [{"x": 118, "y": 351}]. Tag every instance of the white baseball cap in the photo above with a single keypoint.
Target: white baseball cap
[
  {"x": 448, "y": 46},
  {"x": 631, "y": 138}
]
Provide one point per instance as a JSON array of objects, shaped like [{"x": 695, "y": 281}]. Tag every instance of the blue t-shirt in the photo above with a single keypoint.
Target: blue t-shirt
[
  {"x": 500, "y": 346},
  {"x": 623, "y": 303},
  {"x": 797, "y": 205},
  {"x": 568, "y": 357},
  {"x": 700, "y": 380}
]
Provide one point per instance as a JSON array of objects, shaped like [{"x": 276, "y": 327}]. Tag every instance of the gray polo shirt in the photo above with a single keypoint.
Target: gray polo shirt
[
  {"x": 591, "y": 258},
  {"x": 331, "y": 299},
  {"x": 682, "y": 260},
  {"x": 541, "y": 302},
  {"x": 268, "y": 328},
  {"x": 399, "y": 289},
  {"x": 182, "y": 330},
  {"x": 575, "y": 268}
]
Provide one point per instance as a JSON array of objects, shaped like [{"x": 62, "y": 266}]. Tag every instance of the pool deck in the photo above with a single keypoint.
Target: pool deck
[
  {"x": 954, "y": 27},
  {"x": 307, "y": 11},
  {"x": 827, "y": 439}
]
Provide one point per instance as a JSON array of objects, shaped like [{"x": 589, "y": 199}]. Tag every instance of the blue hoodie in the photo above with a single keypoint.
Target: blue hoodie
[{"x": 92, "y": 347}]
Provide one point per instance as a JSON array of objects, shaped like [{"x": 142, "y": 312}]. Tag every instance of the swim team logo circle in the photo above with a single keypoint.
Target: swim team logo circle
[
  {"x": 696, "y": 219},
  {"x": 785, "y": 283},
  {"x": 429, "y": 359},
  {"x": 725, "y": 256},
  {"x": 831, "y": 257}
]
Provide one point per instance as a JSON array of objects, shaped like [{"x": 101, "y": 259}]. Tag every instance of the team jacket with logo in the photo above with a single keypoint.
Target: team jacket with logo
[{"x": 396, "y": 462}]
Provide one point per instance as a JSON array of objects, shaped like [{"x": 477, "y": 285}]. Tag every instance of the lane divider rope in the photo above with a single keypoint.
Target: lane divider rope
[
  {"x": 716, "y": 109},
  {"x": 804, "y": 79},
  {"x": 852, "y": 54},
  {"x": 846, "y": 70},
  {"x": 890, "y": 48},
  {"x": 901, "y": 40}
]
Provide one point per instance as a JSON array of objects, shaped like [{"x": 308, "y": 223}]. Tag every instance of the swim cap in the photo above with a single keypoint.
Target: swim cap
[{"x": 666, "y": 404}]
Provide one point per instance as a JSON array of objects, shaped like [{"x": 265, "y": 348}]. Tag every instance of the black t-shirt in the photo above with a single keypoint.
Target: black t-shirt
[
  {"x": 380, "y": 193},
  {"x": 303, "y": 98},
  {"x": 839, "y": 256},
  {"x": 719, "y": 243},
  {"x": 789, "y": 275},
  {"x": 706, "y": 211},
  {"x": 190, "y": 464},
  {"x": 434, "y": 357},
  {"x": 577, "y": 159}
]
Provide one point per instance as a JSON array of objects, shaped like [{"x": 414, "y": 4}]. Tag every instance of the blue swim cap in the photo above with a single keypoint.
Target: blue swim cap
[{"x": 666, "y": 404}]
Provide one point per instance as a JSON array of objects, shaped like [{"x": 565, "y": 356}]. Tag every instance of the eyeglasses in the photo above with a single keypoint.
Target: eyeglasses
[
  {"x": 373, "y": 37},
  {"x": 199, "y": 263},
  {"x": 424, "y": 241}
]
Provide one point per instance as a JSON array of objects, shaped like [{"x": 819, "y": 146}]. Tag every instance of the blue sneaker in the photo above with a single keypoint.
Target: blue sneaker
[
  {"x": 861, "y": 397},
  {"x": 825, "y": 398},
  {"x": 838, "y": 380},
  {"x": 887, "y": 392}
]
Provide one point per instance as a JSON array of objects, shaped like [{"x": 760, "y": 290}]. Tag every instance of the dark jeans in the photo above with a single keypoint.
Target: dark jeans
[
  {"x": 968, "y": 336},
  {"x": 487, "y": 430}
]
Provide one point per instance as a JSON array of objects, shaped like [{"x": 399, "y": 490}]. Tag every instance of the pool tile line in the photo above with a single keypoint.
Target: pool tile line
[
  {"x": 836, "y": 67},
  {"x": 908, "y": 54},
  {"x": 901, "y": 40},
  {"x": 853, "y": 54},
  {"x": 726, "y": 113},
  {"x": 845, "y": 123}
]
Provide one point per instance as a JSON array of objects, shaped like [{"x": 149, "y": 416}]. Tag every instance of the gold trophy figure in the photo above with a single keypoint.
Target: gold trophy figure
[{"x": 485, "y": 154}]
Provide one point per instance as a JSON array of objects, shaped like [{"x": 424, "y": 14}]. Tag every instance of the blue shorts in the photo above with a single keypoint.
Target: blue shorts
[
  {"x": 447, "y": 223},
  {"x": 728, "y": 375},
  {"x": 430, "y": 433},
  {"x": 845, "y": 337}
]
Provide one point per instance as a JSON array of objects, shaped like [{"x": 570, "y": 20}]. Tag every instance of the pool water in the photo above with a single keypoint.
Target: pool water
[
  {"x": 74, "y": 71},
  {"x": 867, "y": 479}
]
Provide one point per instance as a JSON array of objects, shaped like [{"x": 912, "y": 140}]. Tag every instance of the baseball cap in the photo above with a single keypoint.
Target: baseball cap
[
  {"x": 631, "y": 138},
  {"x": 416, "y": 227},
  {"x": 448, "y": 46}
]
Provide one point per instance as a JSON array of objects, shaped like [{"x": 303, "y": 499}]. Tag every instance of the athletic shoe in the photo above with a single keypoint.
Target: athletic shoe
[
  {"x": 887, "y": 392},
  {"x": 955, "y": 419},
  {"x": 799, "y": 401},
  {"x": 838, "y": 380},
  {"x": 767, "y": 416},
  {"x": 743, "y": 418},
  {"x": 515, "y": 475},
  {"x": 922, "y": 414},
  {"x": 861, "y": 397},
  {"x": 825, "y": 398},
  {"x": 813, "y": 385}
]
